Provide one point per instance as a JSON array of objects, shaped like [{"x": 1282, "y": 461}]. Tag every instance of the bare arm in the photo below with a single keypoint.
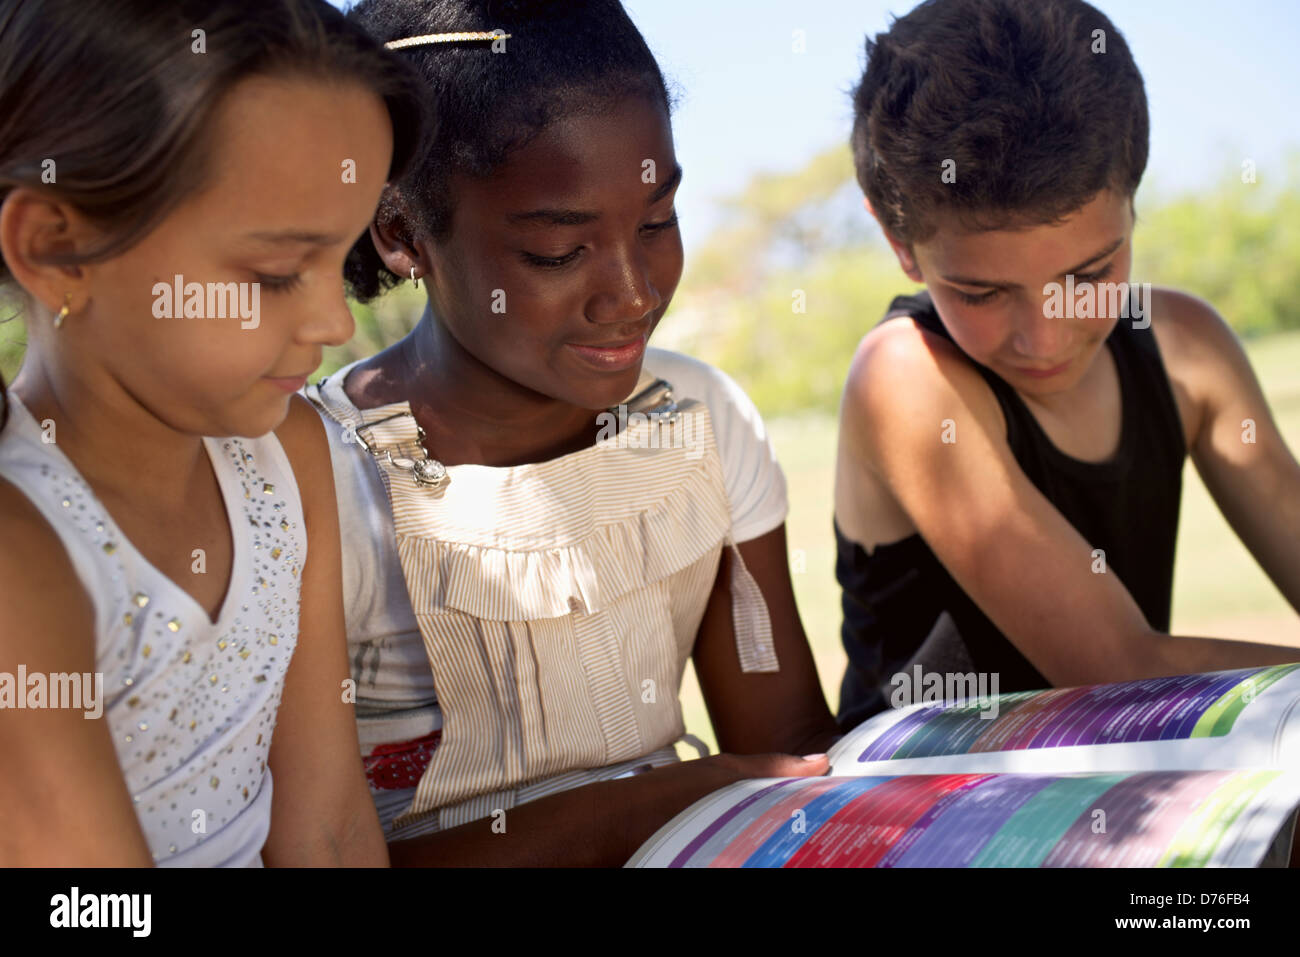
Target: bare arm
[
  {"x": 321, "y": 813},
  {"x": 598, "y": 825},
  {"x": 63, "y": 799},
  {"x": 1019, "y": 559},
  {"x": 1238, "y": 450},
  {"x": 755, "y": 712}
]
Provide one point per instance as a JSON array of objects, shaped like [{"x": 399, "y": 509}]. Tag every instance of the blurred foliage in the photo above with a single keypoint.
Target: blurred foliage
[
  {"x": 1235, "y": 244},
  {"x": 13, "y": 335},
  {"x": 379, "y": 324}
]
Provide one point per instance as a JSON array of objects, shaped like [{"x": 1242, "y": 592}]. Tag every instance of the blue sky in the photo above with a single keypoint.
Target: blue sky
[{"x": 1222, "y": 78}]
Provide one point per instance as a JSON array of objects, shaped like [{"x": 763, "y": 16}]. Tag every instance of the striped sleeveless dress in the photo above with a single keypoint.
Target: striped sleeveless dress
[{"x": 558, "y": 603}]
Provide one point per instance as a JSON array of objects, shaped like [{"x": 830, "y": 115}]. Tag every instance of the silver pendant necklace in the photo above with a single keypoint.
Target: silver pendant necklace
[{"x": 427, "y": 472}]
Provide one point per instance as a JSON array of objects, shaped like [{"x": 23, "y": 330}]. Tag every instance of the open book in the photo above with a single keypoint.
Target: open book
[{"x": 1187, "y": 771}]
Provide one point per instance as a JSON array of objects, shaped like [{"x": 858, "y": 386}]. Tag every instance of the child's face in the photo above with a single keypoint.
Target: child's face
[
  {"x": 278, "y": 204},
  {"x": 561, "y": 262},
  {"x": 988, "y": 288}
]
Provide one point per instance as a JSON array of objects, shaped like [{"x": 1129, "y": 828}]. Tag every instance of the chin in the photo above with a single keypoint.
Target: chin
[
  {"x": 1038, "y": 387},
  {"x": 255, "y": 424},
  {"x": 608, "y": 391},
  {"x": 1050, "y": 386}
]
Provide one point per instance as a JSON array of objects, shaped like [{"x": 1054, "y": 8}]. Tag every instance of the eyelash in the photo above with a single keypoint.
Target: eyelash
[
  {"x": 979, "y": 300},
  {"x": 279, "y": 283},
  {"x": 987, "y": 297},
  {"x": 544, "y": 262}
]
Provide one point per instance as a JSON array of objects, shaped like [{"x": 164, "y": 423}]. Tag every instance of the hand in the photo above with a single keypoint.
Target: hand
[
  {"x": 743, "y": 766},
  {"x": 649, "y": 801}
]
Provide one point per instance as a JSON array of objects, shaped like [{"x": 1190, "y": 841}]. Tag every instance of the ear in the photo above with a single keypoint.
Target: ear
[
  {"x": 906, "y": 259},
  {"x": 390, "y": 231},
  {"x": 35, "y": 229}
]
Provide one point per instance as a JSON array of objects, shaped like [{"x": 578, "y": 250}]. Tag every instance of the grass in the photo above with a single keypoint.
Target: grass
[{"x": 1219, "y": 590}]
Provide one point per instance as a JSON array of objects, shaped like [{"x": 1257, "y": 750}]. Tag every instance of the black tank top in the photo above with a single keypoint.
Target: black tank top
[{"x": 902, "y": 608}]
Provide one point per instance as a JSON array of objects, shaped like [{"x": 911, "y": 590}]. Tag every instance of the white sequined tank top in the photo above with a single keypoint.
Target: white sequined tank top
[{"x": 190, "y": 704}]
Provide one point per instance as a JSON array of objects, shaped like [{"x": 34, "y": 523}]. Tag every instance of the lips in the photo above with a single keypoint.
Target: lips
[
  {"x": 288, "y": 383},
  {"x": 611, "y": 356},
  {"x": 1044, "y": 373}
]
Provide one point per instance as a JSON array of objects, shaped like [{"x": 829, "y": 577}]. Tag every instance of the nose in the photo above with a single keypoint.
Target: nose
[
  {"x": 627, "y": 292},
  {"x": 1038, "y": 337},
  {"x": 328, "y": 321}
]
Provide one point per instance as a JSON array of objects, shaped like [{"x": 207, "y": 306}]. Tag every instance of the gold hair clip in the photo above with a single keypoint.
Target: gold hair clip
[{"x": 445, "y": 38}]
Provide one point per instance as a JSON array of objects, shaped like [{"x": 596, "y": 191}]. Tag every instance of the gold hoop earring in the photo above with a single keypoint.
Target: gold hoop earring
[{"x": 64, "y": 312}]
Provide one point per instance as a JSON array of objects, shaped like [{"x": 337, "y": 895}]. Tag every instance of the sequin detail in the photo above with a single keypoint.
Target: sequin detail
[{"x": 190, "y": 704}]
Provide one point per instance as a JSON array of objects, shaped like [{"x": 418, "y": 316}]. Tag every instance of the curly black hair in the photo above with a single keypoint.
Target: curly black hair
[{"x": 563, "y": 57}]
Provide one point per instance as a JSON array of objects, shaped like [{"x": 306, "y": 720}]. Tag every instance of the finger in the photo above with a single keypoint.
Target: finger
[{"x": 790, "y": 766}]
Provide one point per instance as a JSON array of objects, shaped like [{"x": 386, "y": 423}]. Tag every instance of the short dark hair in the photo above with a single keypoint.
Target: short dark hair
[
  {"x": 1011, "y": 91},
  {"x": 563, "y": 57},
  {"x": 114, "y": 94}
]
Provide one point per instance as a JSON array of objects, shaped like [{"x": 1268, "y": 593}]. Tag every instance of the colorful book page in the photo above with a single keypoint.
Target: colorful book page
[
  {"x": 1153, "y": 709},
  {"x": 1142, "y": 819}
]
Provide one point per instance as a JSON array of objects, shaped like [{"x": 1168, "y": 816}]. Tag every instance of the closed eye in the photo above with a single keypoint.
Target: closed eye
[
  {"x": 279, "y": 283},
  {"x": 550, "y": 262},
  {"x": 976, "y": 300},
  {"x": 1101, "y": 273},
  {"x": 556, "y": 262},
  {"x": 980, "y": 299},
  {"x": 668, "y": 223}
]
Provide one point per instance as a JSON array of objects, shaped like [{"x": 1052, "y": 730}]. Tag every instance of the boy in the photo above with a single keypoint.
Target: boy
[{"x": 1012, "y": 439}]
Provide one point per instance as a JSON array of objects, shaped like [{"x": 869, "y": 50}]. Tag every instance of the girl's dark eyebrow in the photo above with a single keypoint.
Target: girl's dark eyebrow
[
  {"x": 966, "y": 281},
  {"x": 667, "y": 186},
  {"x": 580, "y": 217}
]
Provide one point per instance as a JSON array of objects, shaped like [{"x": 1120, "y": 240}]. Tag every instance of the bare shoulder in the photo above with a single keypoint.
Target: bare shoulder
[
  {"x": 902, "y": 374},
  {"x": 303, "y": 437},
  {"x": 1202, "y": 356},
  {"x": 1187, "y": 328},
  {"x": 61, "y": 789},
  {"x": 40, "y": 592},
  {"x": 305, "y": 441},
  {"x": 39, "y": 551}
]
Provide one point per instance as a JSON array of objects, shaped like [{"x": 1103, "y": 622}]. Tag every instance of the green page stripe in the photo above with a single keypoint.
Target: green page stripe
[
  {"x": 1202, "y": 832},
  {"x": 1219, "y": 717}
]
